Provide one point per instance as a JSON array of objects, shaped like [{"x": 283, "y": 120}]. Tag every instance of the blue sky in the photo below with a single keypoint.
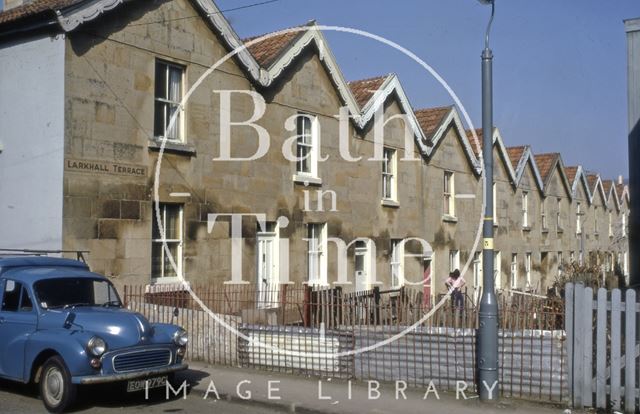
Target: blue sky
[{"x": 559, "y": 67}]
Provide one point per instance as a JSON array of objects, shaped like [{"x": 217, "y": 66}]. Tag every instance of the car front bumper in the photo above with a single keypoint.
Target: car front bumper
[{"x": 103, "y": 379}]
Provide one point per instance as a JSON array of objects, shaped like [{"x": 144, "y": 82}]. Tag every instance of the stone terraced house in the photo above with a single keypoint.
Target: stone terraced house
[{"x": 88, "y": 90}]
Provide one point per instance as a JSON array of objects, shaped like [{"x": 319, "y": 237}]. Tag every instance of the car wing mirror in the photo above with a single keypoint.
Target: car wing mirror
[
  {"x": 176, "y": 312},
  {"x": 69, "y": 320}
]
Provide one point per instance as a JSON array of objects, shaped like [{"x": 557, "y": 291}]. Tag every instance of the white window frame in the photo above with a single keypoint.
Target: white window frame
[
  {"x": 497, "y": 265},
  {"x": 525, "y": 209},
  {"x": 313, "y": 146},
  {"x": 389, "y": 174},
  {"x": 179, "y": 241},
  {"x": 560, "y": 265},
  {"x": 495, "y": 203},
  {"x": 578, "y": 217},
  {"x": 559, "y": 215},
  {"x": 624, "y": 225},
  {"x": 454, "y": 260},
  {"x": 449, "y": 194},
  {"x": 514, "y": 270},
  {"x": 527, "y": 269},
  {"x": 610, "y": 224},
  {"x": 572, "y": 256},
  {"x": 317, "y": 254},
  {"x": 169, "y": 103},
  {"x": 595, "y": 220},
  {"x": 477, "y": 270},
  {"x": 397, "y": 263},
  {"x": 543, "y": 214},
  {"x": 625, "y": 264}
]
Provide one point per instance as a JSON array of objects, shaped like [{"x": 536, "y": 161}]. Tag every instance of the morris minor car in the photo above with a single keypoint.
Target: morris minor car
[{"x": 62, "y": 326}]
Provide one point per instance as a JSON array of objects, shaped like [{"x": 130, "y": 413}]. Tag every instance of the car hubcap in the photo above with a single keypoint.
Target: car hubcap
[{"x": 54, "y": 386}]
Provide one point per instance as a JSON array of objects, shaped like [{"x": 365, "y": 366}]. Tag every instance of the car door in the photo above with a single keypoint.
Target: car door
[{"x": 18, "y": 320}]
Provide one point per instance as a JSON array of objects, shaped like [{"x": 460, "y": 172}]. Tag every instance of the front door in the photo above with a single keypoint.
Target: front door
[
  {"x": 268, "y": 278},
  {"x": 18, "y": 320},
  {"x": 361, "y": 266}
]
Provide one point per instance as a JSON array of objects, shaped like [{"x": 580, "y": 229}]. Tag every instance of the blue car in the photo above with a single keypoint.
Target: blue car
[{"x": 62, "y": 326}]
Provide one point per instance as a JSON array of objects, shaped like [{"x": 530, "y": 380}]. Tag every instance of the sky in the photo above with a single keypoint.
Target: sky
[{"x": 559, "y": 65}]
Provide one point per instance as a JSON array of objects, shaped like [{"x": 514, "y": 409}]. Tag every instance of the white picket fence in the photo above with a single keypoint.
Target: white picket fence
[{"x": 602, "y": 348}]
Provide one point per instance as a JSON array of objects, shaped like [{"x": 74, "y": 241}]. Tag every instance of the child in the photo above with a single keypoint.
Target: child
[{"x": 455, "y": 283}]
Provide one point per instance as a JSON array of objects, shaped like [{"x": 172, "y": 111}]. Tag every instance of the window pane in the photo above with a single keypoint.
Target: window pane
[
  {"x": 175, "y": 84},
  {"x": 159, "y": 122},
  {"x": 25, "y": 303},
  {"x": 11, "y": 297},
  {"x": 173, "y": 131},
  {"x": 172, "y": 225},
  {"x": 169, "y": 270},
  {"x": 304, "y": 155},
  {"x": 156, "y": 260},
  {"x": 306, "y": 122},
  {"x": 161, "y": 80}
]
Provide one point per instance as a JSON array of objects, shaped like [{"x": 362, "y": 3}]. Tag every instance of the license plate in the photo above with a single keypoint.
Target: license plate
[{"x": 148, "y": 383}]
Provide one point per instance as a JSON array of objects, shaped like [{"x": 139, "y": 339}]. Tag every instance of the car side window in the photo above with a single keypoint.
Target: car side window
[
  {"x": 11, "y": 296},
  {"x": 25, "y": 301},
  {"x": 16, "y": 298}
]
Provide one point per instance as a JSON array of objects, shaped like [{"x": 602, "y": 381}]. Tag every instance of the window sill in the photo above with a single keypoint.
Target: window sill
[
  {"x": 449, "y": 219},
  {"x": 306, "y": 179},
  {"x": 161, "y": 284},
  {"x": 545, "y": 231},
  {"x": 526, "y": 229},
  {"x": 560, "y": 231},
  {"x": 390, "y": 203},
  {"x": 179, "y": 148}
]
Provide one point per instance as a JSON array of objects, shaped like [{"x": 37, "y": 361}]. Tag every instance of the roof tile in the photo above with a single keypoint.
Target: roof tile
[
  {"x": 592, "y": 179},
  {"x": 267, "y": 50},
  {"x": 545, "y": 163},
  {"x": 430, "y": 118},
  {"x": 515, "y": 155},
  {"x": 571, "y": 172},
  {"x": 606, "y": 185},
  {"x": 33, "y": 8},
  {"x": 364, "y": 89}
]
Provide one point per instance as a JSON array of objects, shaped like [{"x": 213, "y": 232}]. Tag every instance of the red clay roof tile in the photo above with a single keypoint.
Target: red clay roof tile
[
  {"x": 545, "y": 163},
  {"x": 267, "y": 51},
  {"x": 364, "y": 89},
  {"x": 592, "y": 179},
  {"x": 33, "y": 8},
  {"x": 515, "y": 155},
  {"x": 571, "y": 172},
  {"x": 430, "y": 118}
]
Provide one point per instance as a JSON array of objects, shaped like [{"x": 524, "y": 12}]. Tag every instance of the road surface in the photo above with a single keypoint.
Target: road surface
[{"x": 19, "y": 399}]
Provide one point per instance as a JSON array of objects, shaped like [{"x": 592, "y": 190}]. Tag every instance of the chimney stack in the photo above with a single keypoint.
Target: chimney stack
[{"x": 620, "y": 180}]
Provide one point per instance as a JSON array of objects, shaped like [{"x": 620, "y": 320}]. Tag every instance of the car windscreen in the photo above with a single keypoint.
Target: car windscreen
[{"x": 71, "y": 292}]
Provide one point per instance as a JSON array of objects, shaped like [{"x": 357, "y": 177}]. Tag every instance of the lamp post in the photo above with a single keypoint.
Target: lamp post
[{"x": 487, "y": 349}]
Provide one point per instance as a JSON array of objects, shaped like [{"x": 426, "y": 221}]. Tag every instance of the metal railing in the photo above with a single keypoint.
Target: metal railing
[{"x": 305, "y": 329}]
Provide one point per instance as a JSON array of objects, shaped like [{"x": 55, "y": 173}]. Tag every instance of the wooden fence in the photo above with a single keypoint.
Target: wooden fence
[{"x": 602, "y": 347}]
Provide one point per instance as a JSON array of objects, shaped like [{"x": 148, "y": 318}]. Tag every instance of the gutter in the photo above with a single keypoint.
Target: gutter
[{"x": 42, "y": 25}]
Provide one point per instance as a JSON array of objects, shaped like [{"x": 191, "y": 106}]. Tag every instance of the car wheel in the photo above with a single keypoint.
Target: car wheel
[{"x": 56, "y": 390}]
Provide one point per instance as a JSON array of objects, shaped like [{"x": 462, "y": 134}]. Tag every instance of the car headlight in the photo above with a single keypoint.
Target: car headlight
[
  {"x": 97, "y": 346},
  {"x": 180, "y": 337}
]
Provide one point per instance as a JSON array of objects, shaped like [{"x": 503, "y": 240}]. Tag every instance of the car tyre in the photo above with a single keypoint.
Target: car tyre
[{"x": 56, "y": 389}]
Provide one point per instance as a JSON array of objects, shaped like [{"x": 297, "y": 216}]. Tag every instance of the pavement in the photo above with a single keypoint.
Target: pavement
[
  {"x": 226, "y": 390},
  {"x": 299, "y": 394}
]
